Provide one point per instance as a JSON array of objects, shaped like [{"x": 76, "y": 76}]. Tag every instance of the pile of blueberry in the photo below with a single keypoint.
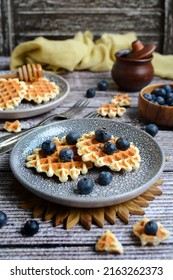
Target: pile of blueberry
[
  {"x": 102, "y": 86},
  {"x": 161, "y": 96}
]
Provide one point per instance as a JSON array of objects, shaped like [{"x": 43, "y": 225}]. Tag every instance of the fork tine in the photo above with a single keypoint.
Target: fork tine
[
  {"x": 77, "y": 107},
  {"x": 92, "y": 115},
  {"x": 71, "y": 112},
  {"x": 77, "y": 103},
  {"x": 81, "y": 103}
]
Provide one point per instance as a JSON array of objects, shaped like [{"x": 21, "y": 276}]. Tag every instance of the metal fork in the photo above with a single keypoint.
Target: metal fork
[
  {"x": 93, "y": 115},
  {"x": 7, "y": 142}
]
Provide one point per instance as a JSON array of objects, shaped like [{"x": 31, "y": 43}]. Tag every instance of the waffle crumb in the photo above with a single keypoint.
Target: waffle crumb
[
  {"x": 108, "y": 243},
  {"x": 145, "y": 239},
  {"x": 12, "y": 126},
  {"x": 168, "y": 158}
]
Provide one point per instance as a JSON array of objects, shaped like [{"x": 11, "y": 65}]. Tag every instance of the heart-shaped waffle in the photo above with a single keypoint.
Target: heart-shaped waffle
[
  {"x": 111, "y": 110},
  {"x": 12, "y": 92},
  {"x": 121, "y": 100},
  {"x": 41, "y": 90},
  {"x": 92, "y": 151},
  {"x": 51, "y": 164}
]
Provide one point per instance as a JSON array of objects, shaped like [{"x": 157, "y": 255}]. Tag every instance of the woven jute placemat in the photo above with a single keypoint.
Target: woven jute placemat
[{"x": 70, "y": 216}]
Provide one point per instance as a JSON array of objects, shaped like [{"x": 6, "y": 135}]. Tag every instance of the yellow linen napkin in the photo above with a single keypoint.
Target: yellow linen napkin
[{"x": 83, "y": 53}]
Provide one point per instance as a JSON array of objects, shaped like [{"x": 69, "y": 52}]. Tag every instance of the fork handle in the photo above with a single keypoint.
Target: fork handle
[{"x": 7, "y": 142}]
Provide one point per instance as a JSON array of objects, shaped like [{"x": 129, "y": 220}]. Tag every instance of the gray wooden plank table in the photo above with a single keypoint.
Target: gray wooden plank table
[{"x": 78, "y": 243}]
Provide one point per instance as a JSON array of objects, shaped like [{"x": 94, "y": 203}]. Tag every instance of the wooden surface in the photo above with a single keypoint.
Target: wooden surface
[
  {"x": 55, "y": 19},
  {"x": 78, "y": 243}
]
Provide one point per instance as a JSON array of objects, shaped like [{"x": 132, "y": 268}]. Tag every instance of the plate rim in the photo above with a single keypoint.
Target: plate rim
[
  {"x": 43, "y": 107},
  {"x": 106, "y": 200}
]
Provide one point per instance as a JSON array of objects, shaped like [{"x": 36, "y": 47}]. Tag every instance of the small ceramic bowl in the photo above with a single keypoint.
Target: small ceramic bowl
[
  {"x": 131, "y": 74},
  {"x": 154, "y": 113}
]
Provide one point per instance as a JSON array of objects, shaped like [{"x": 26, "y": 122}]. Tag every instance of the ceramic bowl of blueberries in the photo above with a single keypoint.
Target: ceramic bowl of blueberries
[{"x": 155, "y": 104}]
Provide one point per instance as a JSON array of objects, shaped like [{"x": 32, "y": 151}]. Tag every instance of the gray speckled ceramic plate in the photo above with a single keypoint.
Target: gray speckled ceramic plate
[
  {"x": 124, "y": 185},
  {"x": 29, "y": 109}
]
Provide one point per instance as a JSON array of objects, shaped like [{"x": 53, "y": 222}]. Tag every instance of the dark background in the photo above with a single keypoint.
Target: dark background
[{"x": 20, "y": 21}]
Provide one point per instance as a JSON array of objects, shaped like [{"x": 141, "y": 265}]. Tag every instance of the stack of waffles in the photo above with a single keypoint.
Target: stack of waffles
[
  {"x": 88, "y": 152},
  {"x": 13, "y": 92}
]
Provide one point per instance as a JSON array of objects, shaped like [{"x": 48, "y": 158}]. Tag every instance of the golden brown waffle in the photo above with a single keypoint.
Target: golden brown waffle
[
  {"x": 41, "y": 90},
  {"x": 51, "y": 164},
  {"x": 108, "y": 243},
  {"x": 145, "y": 239},
  {"x": 121, "y": 100},
  {"x": 111, "y": 110},
  {"x": 12, "y": 126},
  {"x": 91, "y": 150},
  {"x": 12, "y": 92}
]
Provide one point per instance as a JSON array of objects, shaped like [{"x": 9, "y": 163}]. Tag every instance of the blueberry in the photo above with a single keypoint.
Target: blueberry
[
  {"x": 85, "y": 186},
  {"x": 105, "y": 178},
  {"x": 122, "y": 143},
  {"x": 72, "y": 137},
  {"x": 160, "y": 100},
  {"x": 155, "y": 102},
  {"x": 66, "y": 155},
  {"x": 148, "y": 96},
  {"x": 3, "y": 219},
  {"x": 102, "y": 85},
  {"x": 152, "y": 129},
  {"x": 91, "y": 92},
  {"x": 151, "y": 228},
  {"x": 168, "y": 88},
  {"x": 109, "y": 148},
  {"x": 155, "y": 91},
  {"x": 153, "y": 96},
  {"x": 48, "y": 147},
  {"x": 102, "y": 135},
  {"x": 160, "y": 92},
  {"x": 169, "y": 95},
  {"x": 169, "y": 101},
  {"x": 31, "y": 227}
]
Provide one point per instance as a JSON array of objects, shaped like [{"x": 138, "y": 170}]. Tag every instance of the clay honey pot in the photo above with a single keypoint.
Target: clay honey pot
[
  {"x": 133, "y": 70},
  {"x": 155, "y": 113}
]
